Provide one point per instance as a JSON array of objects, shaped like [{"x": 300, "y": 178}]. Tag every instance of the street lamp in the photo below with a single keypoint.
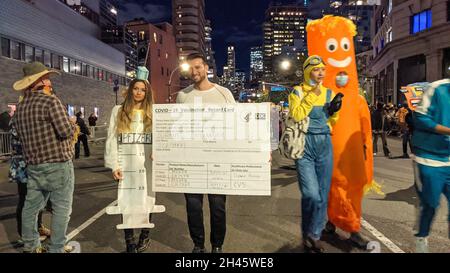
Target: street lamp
[
  {"x": 285, "y": 65},
  {"x": 183, "y": 67}
]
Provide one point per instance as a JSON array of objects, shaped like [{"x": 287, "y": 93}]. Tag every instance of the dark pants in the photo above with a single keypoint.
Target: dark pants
[
  {"x": 82, "y": 138},
  {"x": 129, "y": 233},
  {"x": 406, "y": 139},
  {"x": 383, "y": 140},
  {"x": 194, "y": 208},
  {"x": 22, "y": 190}
]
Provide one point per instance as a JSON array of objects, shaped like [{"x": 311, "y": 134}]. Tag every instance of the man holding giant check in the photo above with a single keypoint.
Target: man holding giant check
[{"x": 208, "y": 144}]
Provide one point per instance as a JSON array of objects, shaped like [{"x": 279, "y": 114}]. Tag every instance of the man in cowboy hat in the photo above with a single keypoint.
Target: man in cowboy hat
[{"x": 46, "y": 133}]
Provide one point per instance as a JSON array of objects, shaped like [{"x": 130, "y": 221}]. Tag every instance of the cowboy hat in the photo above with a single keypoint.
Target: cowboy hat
[{"x": 31, "y": 73}]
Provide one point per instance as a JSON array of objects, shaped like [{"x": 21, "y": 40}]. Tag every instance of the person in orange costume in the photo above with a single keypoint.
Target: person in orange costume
[{"x": 331, "y": 37}]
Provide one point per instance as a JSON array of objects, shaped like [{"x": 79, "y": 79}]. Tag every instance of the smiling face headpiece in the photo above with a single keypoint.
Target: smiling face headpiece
[{"x": 331, "y": 37}]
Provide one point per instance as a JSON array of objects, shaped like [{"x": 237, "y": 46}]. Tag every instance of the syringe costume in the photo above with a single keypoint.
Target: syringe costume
[{"x": 131, "y": 153}]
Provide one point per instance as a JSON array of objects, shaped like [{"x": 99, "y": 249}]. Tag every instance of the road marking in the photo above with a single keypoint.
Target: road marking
[
  {"x": 388, "y": 243},
  {"x": 91, "y": 220}
]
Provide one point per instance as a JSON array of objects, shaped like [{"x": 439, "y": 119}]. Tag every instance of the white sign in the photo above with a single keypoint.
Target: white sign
[{"x": 217, "y": 149}]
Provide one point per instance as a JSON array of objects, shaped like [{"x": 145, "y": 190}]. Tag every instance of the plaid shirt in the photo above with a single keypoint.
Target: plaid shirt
[{"x": 43, "y": 126}]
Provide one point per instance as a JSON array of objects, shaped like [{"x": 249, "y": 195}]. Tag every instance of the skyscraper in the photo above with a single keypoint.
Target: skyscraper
[
  {"x": 281, "y": 26},
  {"x": 231, "y": 61},
  {"x": 256, "y": 63},
  {"x": 212, "y": 73},
  {"x": 125, "y": 40},
  {"x": 360, "y": 13},
  {"x": 188, "y": 19}
]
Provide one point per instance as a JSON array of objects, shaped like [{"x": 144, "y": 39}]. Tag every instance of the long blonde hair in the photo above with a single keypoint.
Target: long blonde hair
[{"x": 124, "y": 114}]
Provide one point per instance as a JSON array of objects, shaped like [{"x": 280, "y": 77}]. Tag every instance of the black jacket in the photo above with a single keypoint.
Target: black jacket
[
  {"x": 378, "y": 120},
  {"x": 83, "y": 128}
]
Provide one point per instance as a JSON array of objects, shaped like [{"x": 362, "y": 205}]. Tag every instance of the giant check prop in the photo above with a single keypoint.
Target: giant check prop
[{"x": 217, "y": 149}]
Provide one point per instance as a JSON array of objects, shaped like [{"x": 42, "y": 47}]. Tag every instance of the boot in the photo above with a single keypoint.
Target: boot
[
  {"x": 131, "y": 245},
  {"x": 144, "y": 242},
  {"x": 199, "y": 249},
  {"x": 315, "y": 246},
  {"x": 359, "y": 240},
  {"x": 217, "y": 249},
  {"x": 330, "y": 228}
]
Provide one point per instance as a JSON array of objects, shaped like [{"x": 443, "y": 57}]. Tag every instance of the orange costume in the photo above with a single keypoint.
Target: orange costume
[{"x": 332, "y": 38}]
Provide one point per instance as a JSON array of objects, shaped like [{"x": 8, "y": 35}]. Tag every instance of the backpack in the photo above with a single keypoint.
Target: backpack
[{"x": 293, "y": 137}]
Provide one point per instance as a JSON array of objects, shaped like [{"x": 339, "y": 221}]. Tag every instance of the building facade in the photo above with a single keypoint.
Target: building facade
[
  {"x": 411, "y": 43},
  {"x": 54, "y": 34},
  {"x": 256, "y": 63},
  {"x": 157, "y": 51},
  {"x": 231, "y": 62},
  {"x": 281, "y": 26},
  {"x": 188, "y": 19},
  {"x": 124, "y": 40},
  {"x": 212, "y": 73},
  {"x": 360, "y": 12}
]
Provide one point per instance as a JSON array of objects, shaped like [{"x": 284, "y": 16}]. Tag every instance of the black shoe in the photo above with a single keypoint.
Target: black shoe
[
  {"x": 217, "y": 249},
  {"x": 405, "y": 156},
  {"x": 358, "y": 240},
  {"x": 131, "y": 248},
  {"x": 330, "y": 228},
  {"x": 315, "y": 246},
  {"x": 144, "y": 243},
  {"x": 198, "y": 249}
]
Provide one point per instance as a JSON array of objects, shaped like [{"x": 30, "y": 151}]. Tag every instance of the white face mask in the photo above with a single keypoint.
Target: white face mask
[{"x": 341, "y": 80}]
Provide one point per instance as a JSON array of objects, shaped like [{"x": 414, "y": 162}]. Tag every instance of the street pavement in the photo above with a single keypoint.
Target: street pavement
[{"x": 254, "y": 224}]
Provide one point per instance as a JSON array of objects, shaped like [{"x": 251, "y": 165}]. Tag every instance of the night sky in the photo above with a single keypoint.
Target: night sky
[{"x": 237, "y": 22}]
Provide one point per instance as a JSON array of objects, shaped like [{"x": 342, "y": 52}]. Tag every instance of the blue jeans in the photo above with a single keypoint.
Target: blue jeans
[
  {"x": 314, "y": 171},
  {"x": 54, "y": 181},
  {"x": 430, "y": 183}
]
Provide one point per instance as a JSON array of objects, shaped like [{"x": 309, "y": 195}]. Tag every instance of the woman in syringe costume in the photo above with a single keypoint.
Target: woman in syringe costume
[{"x": 128, "y": 154}]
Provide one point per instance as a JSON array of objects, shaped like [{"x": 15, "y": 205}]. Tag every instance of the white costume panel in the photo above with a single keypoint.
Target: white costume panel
[{"x": 131, "y": 152}]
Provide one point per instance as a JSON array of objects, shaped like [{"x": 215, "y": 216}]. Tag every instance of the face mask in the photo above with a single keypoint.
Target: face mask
[{"x": 341, "y": 81}]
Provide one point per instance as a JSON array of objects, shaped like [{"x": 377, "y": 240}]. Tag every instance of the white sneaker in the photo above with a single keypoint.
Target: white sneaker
[{"x": 422, "y": 245}]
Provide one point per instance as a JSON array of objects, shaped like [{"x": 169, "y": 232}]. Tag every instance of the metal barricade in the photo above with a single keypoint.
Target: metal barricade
[
  {"x": 98, "y": 133},
  {"x": 5, "y": 144}
]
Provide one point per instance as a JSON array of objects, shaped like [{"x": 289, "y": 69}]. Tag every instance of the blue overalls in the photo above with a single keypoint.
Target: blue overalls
[{"x": 314, "y": 171}]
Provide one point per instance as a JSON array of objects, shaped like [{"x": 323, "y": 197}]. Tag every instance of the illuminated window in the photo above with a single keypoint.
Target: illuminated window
[
  {"x": 155, "y": 37},
  {"x": 421, "y": 21},
  {"x": 141, "y": 35}
]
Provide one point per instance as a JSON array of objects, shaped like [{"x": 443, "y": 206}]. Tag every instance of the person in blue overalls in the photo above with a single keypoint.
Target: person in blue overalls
[{"x": 312, "y": 100}]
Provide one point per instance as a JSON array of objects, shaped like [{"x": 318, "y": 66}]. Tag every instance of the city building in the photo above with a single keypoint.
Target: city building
[
  {"x": 125, "y": 40},
  {"x": 411, "y": 43},
  {"x": 256, "y": 63},
  {"x": 231, "y": 62},
  {"x": 212, "y": 73},
  {"x": 360, "y": 12},
  {"x": 157, "y": 51},
  {"x": 188, "y": 19},
  {"x": 241, "y": 79},
  {"x": 101, "y": 12},
  {"x": 56, "y": 35},
  {"x": 282, "y": 24}
]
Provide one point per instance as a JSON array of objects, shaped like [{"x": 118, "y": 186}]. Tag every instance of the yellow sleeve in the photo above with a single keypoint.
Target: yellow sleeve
[
  {"x": 299, "y": 109},
  {"x": 335, "y": 117}
]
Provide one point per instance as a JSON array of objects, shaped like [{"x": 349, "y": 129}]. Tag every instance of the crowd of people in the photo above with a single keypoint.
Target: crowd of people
[{"x": 327, "y": 129}]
